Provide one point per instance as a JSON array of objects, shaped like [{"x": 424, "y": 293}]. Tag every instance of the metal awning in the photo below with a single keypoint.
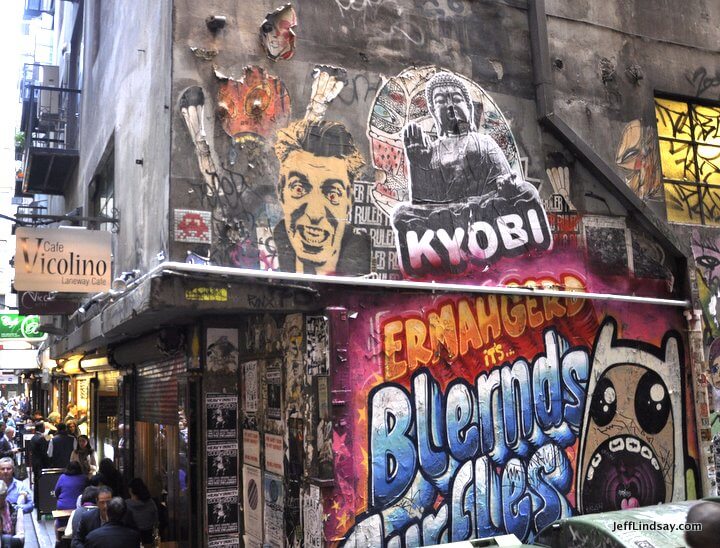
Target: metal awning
[{"x": 175, "y": 294}]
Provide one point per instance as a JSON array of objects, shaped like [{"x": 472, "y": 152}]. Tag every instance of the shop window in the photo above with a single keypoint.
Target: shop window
[
  {"x": 102, "y": 189},
  {"x": 689, "y": 143}
]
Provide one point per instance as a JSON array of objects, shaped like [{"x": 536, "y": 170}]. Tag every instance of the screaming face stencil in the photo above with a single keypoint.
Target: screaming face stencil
[{"x": 631, "y": 444}]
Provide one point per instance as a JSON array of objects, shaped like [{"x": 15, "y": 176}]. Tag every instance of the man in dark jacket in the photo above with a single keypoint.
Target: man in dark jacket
[
  {"x": 7, "y": 443},
  {"x": 114, "y": 534},
  {"x": 92, "y": 518},
  {"x": 61, "y": 447},
  {"x": 38, "y": 449}
]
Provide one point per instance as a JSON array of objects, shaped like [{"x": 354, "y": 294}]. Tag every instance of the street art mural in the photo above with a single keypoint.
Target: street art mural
[
  {"x": 706, "y": 251},
  {"x": 477, "y": 416},
  {"x": 466, "y": 203},
  {"x": 277, "y": 33},
  {"x": 447, "y": 417},
  {"x": 318, "y": 164},
  {"x": 436, "y": 193},
  {"x": 638, "y": 157}
]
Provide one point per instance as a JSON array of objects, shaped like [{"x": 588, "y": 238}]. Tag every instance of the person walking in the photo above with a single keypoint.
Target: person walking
[
  {"x": 61, "y": 447},
  {"x": 7, "y": 443},
  {"x": 85, "y": 455},
  {"x": 38, "y": 451}
]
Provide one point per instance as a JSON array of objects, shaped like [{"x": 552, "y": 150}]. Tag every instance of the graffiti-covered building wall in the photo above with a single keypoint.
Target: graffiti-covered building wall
[
  {"x": 400, "y": 141},
  {"x": 542, "y": 173}
]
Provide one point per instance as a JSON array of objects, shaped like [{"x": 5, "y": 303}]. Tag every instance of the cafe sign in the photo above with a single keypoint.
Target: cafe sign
[
  {"x": 65, "y": 260},
  {"x": 15, "y": 326}
]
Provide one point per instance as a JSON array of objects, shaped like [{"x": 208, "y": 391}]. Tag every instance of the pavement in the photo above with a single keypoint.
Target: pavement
[{"x": 39, "y": 534}]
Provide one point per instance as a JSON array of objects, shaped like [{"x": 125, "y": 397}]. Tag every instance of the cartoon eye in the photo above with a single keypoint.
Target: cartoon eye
[
  {"x": 334, "y": 195},
  {"x": 652, "y": 403},
  {"x": 297, "y": 189},
  {"x": 707, "y": 261},
  {"x": 604, "y": 402}
]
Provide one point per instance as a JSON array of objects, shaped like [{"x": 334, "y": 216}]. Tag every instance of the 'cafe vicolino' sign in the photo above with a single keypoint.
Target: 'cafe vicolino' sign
[{"x": 66, "y": 260}]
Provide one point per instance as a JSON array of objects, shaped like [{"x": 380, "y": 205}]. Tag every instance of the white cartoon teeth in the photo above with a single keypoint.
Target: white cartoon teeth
[
  {"x": 617, "y": 445},
  {"x": 629, "y": 444}
]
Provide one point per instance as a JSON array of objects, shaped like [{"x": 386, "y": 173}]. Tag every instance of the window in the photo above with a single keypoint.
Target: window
[
  {"x": 102, "y": 191},
  {"x": 689, "y": 142}
]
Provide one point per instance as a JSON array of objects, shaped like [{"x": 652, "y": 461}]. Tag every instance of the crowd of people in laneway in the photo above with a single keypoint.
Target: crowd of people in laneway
[{"x": 99, "y": 508}]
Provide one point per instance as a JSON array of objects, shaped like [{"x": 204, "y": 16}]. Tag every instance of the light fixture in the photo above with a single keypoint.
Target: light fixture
[
  {"x": 92, "y": 363},
  {"x": 216, "y": 22},
  {"x": 71, "y": 366}
]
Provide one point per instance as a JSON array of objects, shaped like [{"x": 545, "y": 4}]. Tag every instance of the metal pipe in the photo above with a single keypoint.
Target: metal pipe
[{"x": 246, "y": 273}]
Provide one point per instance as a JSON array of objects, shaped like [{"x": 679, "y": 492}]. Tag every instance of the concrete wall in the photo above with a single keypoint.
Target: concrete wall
[{"x": 126, "y": 99}]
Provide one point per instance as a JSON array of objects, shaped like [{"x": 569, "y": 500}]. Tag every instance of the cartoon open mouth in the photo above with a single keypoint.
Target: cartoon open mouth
[
  {"x": 313, "y": 238},
  {"x": 624, "y": 472}
]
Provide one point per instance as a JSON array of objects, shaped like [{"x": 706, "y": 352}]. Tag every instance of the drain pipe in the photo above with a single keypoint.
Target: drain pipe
[{"x": 247, "y": 274}]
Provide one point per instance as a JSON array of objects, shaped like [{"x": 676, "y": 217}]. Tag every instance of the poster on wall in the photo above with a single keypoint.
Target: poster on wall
[
  {"x": 222, "y": 512},
  {"x": 252, "y": 502},
  {"x": 273, "y": 378},
  {"x": 274, "y": 495},
  {"x": 292, "y": 346},
  {"x": 222, "y": 350},
  {"x": 250, "y": 387},
  {"x": 317, "y": 357},
  {"x": 274, "y": 453},
  {"x": 224, "y": 542},
  {"x": 251, "y": 447},
  {"x": 312, "y": 516},
  {"x": 222, "y": 464},
  {"x": 222, "y": 415}
]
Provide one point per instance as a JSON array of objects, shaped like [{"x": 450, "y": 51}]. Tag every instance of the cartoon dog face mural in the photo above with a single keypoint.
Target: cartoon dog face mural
[{"x": 631, "y": 445}]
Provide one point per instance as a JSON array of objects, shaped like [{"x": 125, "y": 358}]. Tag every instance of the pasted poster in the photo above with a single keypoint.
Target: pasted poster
[
  {"x": 222, "y": 350},
  {"x": 312, "y": 516},
  {"x": 316, "y": 352},
  {"x": 274, "y": 496},
  {"x": 274, "y": 453},
  {"x": 224, "y": 542},
  {"x": 273, "y": 384},
  {"x": 251, "y": 447},
  {"x": 222, "y": 416},
  {"x": 222, "y": 464},
  {"x": 250, "y": 387},
  {"x": 452, "y": 184},
  {"x": 483, "y": 415},
  {"x": 222, "y": 512},
  {"x": 253, "y": 502}
]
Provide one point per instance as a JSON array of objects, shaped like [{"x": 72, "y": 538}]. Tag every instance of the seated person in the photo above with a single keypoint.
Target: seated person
[
  {"x": 12, "y": 529},
  {"x": 18, "y": 491}
]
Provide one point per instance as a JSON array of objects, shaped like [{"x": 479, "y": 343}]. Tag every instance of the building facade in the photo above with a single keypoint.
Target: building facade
[{"x": 397, "y": 273}]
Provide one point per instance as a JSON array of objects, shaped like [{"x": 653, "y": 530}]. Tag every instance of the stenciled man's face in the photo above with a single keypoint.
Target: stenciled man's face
[
  {"x": 450, "y": 110},
  {"x": 316, "y": 199}
]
